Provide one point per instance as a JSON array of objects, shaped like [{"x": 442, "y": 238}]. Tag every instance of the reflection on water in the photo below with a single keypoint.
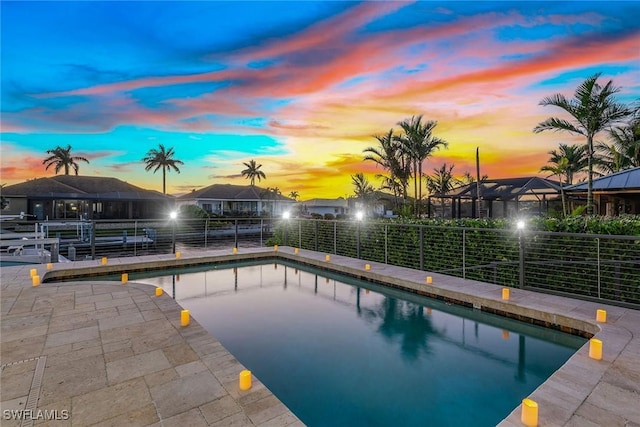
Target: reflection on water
[{"x": 342, "y": 352}]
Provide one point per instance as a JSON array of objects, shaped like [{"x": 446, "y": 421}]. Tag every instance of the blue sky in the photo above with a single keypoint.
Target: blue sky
[{"x": 301, "y": 87}]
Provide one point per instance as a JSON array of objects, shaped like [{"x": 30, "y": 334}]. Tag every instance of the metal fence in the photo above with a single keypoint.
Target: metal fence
[{"x": 601, "y": 267}]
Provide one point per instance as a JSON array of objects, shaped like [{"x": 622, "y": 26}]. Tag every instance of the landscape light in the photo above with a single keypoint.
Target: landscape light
[
  {"x": 359, "y": 215},
  {"x": 173, "y": 215},
  {"x": 520, "y": 225},
  {"x": 286, "y": 215}
]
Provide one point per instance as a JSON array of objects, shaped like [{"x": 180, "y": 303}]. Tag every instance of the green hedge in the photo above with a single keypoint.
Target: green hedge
[{"x": 490, "y": 250}]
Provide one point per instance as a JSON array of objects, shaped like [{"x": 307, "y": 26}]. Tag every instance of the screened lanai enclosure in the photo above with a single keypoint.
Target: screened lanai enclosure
[{"x": 499, "y": 198}]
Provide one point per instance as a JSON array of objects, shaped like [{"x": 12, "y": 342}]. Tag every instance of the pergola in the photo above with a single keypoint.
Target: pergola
[{"x": 499, "y": 197}]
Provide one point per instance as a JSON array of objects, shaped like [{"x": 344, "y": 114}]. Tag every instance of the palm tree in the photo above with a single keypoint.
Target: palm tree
[
  {"x": 390, "y": 156},
  {"x": 624, "y": 150},
  {"x": 559, "y": 167},
  {"x": 62, "y": 158},
  {"x": 362, "y": 189},
  {"x": 576, "y": 160},
  {"x": 441, "y": 182},
  {"x": 593, "y": 109},
  {"x": 419, "y": 143},
  {"x": 294, "y": 195},
  {"x": 253, "y": 171},
  {"x": 162, "y": 158}
]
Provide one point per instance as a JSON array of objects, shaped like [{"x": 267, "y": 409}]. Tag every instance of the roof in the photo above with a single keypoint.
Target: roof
[
  {"x": 339, "y": 202},
  {"x": 506, "y": 188},
  {"x": 233, "y": 192},
  {"x": 81, "y": 187},
  {"x": 628, "y": 179}
]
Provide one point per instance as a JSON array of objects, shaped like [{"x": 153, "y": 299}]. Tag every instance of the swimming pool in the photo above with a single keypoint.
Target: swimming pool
[{"x": 338, "y": 351}]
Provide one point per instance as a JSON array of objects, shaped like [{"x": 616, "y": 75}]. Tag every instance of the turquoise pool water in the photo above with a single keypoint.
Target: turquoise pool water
[{"x": 340, "y": 352}]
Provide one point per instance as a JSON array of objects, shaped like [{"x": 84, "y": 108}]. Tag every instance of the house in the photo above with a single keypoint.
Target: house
[
  {"x": 322, "y": 207},
  {"x": 237, "y": 200},
  {"x": 500, "y": 198},
  {"x": 83, "y": 197},
  {"x": 615, "y": 194}
]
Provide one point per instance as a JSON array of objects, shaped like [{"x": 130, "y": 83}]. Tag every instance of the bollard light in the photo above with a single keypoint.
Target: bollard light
[
  {"x": 35, "y": 280},
  {"x": 275, "y": 248},
  {"x": 295, "y": 251},
  {"x": 124, "y": 278},
  {"x": 505, "y": 294},
  {"x": 104, "y": 260},
  {"x": 178, "y": 255},
  {"x": 529, "y": 413},
  {"x": 327, "y": 257},
  {"x": 235, "y": 250},
  {"x": 429, "y": 280},
  {"x": 159, "y": 291},
  {"x": 33, "y": 272},
  {"x": 245, "y": 380},
  {"x": 595, "y": 349},
  {"x": 49, "y": 266},
  {"x": 505, "y": 334},
  {"x": 184, "y": 318},
  {"x": 601, "y": 316},
  {"x": 367, "y": 267}
]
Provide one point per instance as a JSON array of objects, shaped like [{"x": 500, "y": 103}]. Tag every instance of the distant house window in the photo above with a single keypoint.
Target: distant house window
[{"x": 207, "y": 207}]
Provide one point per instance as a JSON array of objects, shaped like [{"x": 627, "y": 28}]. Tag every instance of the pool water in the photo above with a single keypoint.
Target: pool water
[{"x": 340, "y": 352}]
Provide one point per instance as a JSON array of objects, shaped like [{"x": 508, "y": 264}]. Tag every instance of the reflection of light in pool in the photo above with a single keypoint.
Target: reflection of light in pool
[{"x": 337, "y": 354}]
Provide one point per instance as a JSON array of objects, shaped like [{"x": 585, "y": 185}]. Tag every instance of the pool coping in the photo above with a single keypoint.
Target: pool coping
[{"x": 579, "y": 393}]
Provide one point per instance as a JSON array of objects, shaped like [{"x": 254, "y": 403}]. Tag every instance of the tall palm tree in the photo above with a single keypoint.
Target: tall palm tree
[
  {"x": 391, "y": 157},
  {"x": 559, "y": 167},
  {"x": 62, "y": 158},
  {"x": 576, "y": 161},
  {"x": 441, "y": 182},
  {"x": 294, "y": 195},
  {"x": 593, "y": 109},
  {"x": 162, "y": 158},
  {"x": 253, "y": 171},
  {"x": 419, "y": 143}
]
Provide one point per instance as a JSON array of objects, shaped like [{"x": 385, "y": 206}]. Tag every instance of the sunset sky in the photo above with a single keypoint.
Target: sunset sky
[{"x": 301, "y": 87}]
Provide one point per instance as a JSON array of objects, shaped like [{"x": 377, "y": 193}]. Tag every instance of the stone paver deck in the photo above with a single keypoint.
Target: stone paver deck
[{"x": 99, "y": 353}]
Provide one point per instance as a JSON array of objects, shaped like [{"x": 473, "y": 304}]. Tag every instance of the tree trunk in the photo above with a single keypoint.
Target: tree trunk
[
  {"x": 590, "y": 177},
  {"x": 164, "y": 181}
]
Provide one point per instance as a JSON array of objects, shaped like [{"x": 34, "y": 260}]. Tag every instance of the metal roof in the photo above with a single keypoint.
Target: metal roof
[{"x": 628, "y": 179}]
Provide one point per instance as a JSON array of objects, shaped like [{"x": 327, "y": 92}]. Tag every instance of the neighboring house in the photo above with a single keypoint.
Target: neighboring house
[
  {"x": 615, "y": 194},
  {"x": 322, "y": 207},
  {"x": 500, "y": 198},
  {"x": 84, "y": 197},
  {"x": 242, "y": 200},
  {"x": 379, "y": 204}
]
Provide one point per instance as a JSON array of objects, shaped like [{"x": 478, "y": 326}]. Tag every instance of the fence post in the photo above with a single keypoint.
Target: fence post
[
  {"x": 521, "y": 250},
  {"x": 464, "y": 253},
  {"x": 235, "y": 241},
  {"x": 299, "y": 233},
  {"x": 335, "y": 237},
  {"x": 315, "y": 224},
  {"x": 93, "y": 239},
  {"x": 358, "y": 239},
  {"x": 206, "y": 232},
  {"x": 386, "y": 245},
  {"x": 421, "y": 247},
  {"x": 598, "y": 253}
]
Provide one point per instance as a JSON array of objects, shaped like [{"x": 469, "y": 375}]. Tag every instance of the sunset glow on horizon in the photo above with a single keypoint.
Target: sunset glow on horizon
[{"x": 300, "y": 87}]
